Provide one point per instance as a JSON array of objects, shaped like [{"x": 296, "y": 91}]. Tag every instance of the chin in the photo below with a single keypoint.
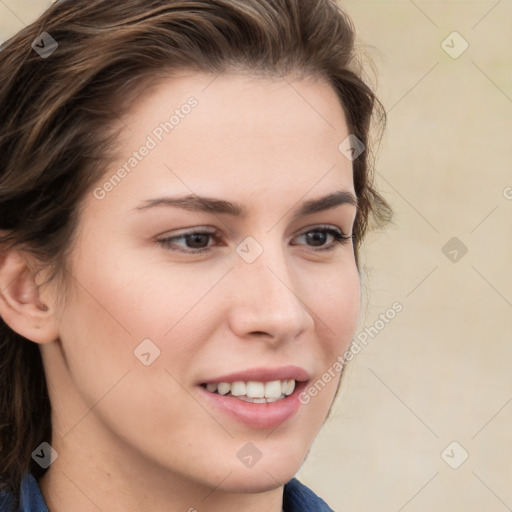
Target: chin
[{"x": 254, "y": 481}]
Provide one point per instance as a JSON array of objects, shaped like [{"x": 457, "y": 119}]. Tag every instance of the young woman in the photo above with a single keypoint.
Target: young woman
[{"x": 184, "y": 187}]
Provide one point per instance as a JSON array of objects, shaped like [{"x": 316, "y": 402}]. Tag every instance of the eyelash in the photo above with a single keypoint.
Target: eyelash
[{"x": 339, "y": 239}]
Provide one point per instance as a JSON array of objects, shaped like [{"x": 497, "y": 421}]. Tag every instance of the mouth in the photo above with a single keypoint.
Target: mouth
[
  {"x": 255, "y": 392},
  {"x": 261, "y": 398}
]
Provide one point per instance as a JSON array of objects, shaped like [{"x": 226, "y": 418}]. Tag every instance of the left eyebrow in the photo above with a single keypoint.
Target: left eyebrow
[
  {"x": 326, "y": 203},
  {"x": 220, "y": 206}
]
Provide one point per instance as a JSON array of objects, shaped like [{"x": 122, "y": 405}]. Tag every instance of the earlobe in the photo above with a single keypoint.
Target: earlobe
[{"x": 21, "y": 307}]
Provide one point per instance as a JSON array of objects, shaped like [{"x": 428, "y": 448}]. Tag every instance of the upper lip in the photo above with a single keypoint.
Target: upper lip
[{"x": 263, "y": 375}]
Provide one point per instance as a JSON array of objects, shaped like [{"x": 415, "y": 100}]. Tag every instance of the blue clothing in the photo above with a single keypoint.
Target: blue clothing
[
  {"x": 296, "y": 498},
  {"x": 31, "y": 497},
  {"x": 299, "y": 498}
]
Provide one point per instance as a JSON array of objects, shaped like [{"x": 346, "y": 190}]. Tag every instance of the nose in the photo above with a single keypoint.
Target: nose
[{"x": 268, "y": 301}]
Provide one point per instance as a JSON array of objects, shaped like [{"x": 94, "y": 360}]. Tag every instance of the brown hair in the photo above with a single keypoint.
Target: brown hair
[{"x": 55, "y": 141}]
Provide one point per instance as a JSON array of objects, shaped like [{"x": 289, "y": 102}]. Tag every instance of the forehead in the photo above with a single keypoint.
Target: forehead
[{"x": 234, "y": 133}]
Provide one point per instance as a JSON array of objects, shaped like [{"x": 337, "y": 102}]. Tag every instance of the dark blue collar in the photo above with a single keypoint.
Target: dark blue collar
[
  {"x": 299, "y": 498},
  {"x": 296, "y": 498}
]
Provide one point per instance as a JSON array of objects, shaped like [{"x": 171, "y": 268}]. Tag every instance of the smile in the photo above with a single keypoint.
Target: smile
[{"x": 253, "y": 391}]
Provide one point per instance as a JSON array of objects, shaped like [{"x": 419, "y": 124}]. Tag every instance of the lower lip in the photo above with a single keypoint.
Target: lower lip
[{"x": 262, "y": 416}]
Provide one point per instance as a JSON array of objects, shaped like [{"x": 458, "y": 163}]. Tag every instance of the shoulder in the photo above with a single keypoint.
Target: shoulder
[
  {"x": 298, "y": 498},
  {"x": 31, "y": 497},
  {"x": 6, "y": 501}
]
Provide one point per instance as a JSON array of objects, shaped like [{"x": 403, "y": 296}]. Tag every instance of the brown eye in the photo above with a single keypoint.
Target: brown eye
[
  {"x": 197, "y": 240},
  {"x": 319, "y": 237},
  {"x": 194, "y": 242}
]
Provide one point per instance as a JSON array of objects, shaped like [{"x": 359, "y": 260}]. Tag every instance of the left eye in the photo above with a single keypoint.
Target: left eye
[
  {"x": 198, "y": 241},
  {"x": 319, "y": 236}
]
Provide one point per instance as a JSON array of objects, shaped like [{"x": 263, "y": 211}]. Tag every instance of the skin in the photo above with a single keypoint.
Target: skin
[{"x": 132, "y": 437}]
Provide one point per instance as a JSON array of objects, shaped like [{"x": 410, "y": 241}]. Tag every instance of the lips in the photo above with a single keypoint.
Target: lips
[
  {"x": 262, "y": 375},
  {"x": 262, "y": 413}
]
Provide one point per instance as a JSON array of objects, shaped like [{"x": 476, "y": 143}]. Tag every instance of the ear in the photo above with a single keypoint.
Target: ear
[{"x": 21, "y": 306}]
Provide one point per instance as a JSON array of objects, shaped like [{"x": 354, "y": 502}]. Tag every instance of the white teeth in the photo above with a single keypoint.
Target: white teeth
[
  {"x": 273, "y": 389},
  {"x": 289, "y": 387},
  {"x": 253, "y": 400},
  {"x": 238, "y": 388},
  {"x": 255, "y": 389},
  {"x": 252, "y": 391},
  {"x": 223, "y": 388},
  {"x": 211, "y": 387}
]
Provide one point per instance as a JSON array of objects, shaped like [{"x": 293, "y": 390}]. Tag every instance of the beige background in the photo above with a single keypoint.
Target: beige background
[{"x": 440, "y": 371}]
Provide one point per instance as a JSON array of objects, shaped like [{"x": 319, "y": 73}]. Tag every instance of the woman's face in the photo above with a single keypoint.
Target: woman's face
[{"x": 261, "y": 292}]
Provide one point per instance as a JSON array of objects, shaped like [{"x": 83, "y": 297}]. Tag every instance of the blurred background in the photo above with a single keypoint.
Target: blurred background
[{"x": 424, "y": 418}]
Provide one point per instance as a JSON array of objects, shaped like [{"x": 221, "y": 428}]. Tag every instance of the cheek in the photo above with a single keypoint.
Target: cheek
[
  {"x": 100, "y": 330},
  {"x": 116, "y": 310},
  {"x": 95, "y": 334},
  {"x": 337, "y": 307},
  {"x": 337, "y": 304}
]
